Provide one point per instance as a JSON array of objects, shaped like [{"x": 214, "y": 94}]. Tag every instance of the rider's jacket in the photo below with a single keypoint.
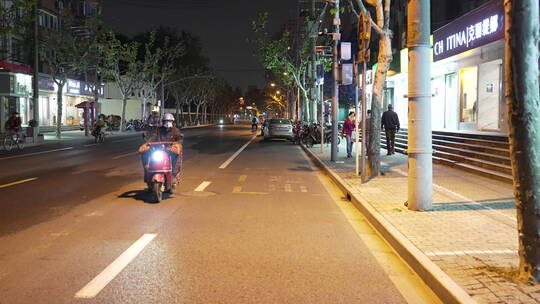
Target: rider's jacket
[{"x": 13, "y": 123}]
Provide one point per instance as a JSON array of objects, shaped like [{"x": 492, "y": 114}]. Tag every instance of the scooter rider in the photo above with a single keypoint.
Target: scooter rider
[{"x": 169, "y": 133}]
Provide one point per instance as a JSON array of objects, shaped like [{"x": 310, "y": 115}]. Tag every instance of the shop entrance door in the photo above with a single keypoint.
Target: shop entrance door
[
  {"x": 468, "y": 80},
  {"x": 451, "y": 107},
  {"x": 489, "y": 102}
]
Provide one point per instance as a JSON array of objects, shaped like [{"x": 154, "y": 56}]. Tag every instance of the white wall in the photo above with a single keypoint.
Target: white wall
[{"x": 114, "y": 107}]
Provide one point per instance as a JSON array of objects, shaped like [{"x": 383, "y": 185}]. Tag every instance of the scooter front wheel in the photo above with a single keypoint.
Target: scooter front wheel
[{"x": 158, "y": 194}]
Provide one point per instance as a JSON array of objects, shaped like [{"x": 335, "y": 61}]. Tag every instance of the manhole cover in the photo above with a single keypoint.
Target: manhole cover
[{"x": 198, "y": 193}]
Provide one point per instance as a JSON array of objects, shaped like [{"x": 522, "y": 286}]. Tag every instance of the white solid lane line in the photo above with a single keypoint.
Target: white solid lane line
[
  {"x": 108, "y": 274},
  {"x": 36, "y": 153},
  {"x": 18, "y": 182},
  {"x": 203, "y": 186},
  {"x": 90, "y": 145},
  {"x": 228, "y": 161},
  {"x": 125, "y": 155}
]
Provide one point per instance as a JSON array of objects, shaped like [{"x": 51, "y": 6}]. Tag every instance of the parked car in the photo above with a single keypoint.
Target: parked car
[{"x": 278, "y": 128}]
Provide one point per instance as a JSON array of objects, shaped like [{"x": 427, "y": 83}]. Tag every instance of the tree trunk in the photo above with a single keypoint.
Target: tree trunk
[
  {"x": 59, "y": 110},
  {"x": 198, "y": 107},
  {"x": 123, "y": 119},
  {"x": 383, "y": 64},
  {"x": 523, "y": 101},
  {"x": 189, "y": 114}
]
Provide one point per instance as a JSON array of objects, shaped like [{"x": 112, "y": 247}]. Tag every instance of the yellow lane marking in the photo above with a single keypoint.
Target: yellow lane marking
[
  {"x": 238, "y": 190},
  {"x": 18, "y": 182},
  {"x": 242, "y": 178}
]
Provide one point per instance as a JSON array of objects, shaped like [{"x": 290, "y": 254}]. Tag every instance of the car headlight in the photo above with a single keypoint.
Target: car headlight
[
  {"x": 158, "y": 156},
  {"x": 221, "y": 121}
]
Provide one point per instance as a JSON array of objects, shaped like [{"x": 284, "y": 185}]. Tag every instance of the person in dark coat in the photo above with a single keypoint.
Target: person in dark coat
[{"x": 390, "y": 124}]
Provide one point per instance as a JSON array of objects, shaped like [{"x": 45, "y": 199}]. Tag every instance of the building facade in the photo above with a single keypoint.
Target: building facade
[{"x": 467, "y": 74}]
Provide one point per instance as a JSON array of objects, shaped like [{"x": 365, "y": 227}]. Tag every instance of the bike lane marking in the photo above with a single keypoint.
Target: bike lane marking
[
  {"x": 95, "y": 286},
  {"x": 35, "y": 153},
  {"x": 18, "y": 182},
  {"x": 202, "y": 186},
  {"x": 228, "y": 161}
]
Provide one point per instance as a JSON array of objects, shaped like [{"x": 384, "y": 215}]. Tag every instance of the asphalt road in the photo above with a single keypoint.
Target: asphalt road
[{"x": 266, "y": 226}]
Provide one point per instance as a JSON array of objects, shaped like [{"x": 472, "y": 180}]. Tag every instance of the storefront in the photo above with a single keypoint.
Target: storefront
[
  {"x": 466, "y": 73},
  {"x": 15, "y": 96},
  {"x": 75, "y": 92}
]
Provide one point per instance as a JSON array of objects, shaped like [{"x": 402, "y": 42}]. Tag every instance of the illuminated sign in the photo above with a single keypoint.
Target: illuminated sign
[
  {"x": 479, "y": 27},
  {"x": 73, "y": 87}
]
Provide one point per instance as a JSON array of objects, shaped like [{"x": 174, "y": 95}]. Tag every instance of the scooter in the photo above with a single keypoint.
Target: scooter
[{"x": 159, "y": 170}]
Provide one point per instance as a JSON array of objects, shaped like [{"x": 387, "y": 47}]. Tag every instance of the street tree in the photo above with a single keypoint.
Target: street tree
[
  {"x": 120, "y": 65},
  {"x": 276, "y": 54},
  {"x": 523, "y": 104},
  {"x": 64, "y": 56},
  {"x": 381, "y": 26},
  {"x": 158, "y": 65}
]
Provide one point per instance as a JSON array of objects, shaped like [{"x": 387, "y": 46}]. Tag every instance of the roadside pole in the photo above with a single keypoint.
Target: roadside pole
[
  {"x": 35, "y": 130},
  {"x": 335, "y": 97},
  {"x": 364, "y": 124},
  {"x": 321, "y": 97},
  {"x": 356, "y": 112},
  {"x": 420, "y": 151}
]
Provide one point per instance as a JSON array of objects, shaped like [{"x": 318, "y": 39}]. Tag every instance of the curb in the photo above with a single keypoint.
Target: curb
[{"x": 433, "y": 276}]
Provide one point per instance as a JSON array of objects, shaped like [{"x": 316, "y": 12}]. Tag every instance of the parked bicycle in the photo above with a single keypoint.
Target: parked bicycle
[{"x": 14, "y": 140}]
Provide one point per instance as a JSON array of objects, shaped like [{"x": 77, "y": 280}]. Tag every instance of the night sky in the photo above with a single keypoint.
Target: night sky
[{"x": 222, "y": 25}]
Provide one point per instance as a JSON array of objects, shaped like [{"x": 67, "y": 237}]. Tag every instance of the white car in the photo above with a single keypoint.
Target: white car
[{"x": 278, "y": 128}]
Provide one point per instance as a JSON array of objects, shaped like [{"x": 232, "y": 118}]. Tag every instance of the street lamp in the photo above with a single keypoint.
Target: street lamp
[
  {"x": 278, "y": 92},
  {"x": 272, "y": 84}
]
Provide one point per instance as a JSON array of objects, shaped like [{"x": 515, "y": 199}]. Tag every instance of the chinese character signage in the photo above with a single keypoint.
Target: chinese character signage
[{"x": 479, "y": 27}]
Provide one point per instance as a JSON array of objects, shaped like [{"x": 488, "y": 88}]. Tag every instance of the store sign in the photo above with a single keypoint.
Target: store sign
[
  {"x": 46, "y": 84},
  {"x": 88, "y": 89},
  {"x": 21, "y": 85},
  {"x": 479, "y": 27},
  {"x": 73, "y": 87}
]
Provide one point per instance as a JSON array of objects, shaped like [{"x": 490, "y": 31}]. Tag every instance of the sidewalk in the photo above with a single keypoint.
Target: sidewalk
[{"x": 471, "y": 234}]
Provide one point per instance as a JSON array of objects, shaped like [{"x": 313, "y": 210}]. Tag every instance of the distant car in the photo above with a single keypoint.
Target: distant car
[{"x": 278, "y": 128}]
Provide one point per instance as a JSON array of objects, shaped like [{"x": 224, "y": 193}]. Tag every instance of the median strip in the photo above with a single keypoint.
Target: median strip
[{"x": 95, "y": 286}]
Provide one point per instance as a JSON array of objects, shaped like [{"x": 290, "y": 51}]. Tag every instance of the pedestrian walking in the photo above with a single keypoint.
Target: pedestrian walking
[
  {"x": 348, "y": 129},
  {"x": 390, "y": 123}
]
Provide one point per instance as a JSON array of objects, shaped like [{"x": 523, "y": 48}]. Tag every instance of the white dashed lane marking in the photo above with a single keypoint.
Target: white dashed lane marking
[
  {"x": 108, "y": 274},
  {"x": 202, "y": 186}
]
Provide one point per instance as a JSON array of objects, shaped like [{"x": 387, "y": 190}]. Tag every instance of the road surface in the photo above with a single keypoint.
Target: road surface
[{"x": 252, "y": 222}]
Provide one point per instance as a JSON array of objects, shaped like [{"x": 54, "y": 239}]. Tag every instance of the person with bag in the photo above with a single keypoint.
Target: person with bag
[{"x": 348, "y": 130}]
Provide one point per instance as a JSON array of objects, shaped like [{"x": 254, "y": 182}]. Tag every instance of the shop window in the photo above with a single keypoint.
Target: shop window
[{"x": 468, "y": 94}]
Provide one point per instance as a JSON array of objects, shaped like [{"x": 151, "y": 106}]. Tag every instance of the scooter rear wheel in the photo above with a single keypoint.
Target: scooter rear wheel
[{"x": 158, "y": 195}]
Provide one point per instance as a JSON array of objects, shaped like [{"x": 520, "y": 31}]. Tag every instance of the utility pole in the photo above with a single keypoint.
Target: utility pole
[
  {"x": 35, "y": 130},
  {"x": 335, "y": 98},
  {"x": 522, "y": 96},
  {"x": 420, "y": 149}
]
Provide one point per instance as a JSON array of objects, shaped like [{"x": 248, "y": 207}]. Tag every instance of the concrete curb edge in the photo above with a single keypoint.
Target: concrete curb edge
[{"x": 432, "y": 275}]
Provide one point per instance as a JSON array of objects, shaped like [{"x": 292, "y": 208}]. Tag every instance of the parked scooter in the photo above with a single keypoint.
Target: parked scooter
[{"x": 159, "y": 170}]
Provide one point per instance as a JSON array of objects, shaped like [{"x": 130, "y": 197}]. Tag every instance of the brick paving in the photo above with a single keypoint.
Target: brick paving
[{"x": 470, "y": 234}]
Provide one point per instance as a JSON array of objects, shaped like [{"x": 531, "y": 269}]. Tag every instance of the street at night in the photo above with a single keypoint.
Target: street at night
[
  {"x": 267, "y": 228},
  {"x": 285, "y": 151}
]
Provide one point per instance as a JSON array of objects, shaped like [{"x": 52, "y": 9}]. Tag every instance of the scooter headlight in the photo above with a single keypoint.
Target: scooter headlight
[{"x": 158, "y": 156}]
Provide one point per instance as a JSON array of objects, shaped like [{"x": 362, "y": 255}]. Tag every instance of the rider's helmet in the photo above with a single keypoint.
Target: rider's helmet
[{"x": 168, "y": 120}]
